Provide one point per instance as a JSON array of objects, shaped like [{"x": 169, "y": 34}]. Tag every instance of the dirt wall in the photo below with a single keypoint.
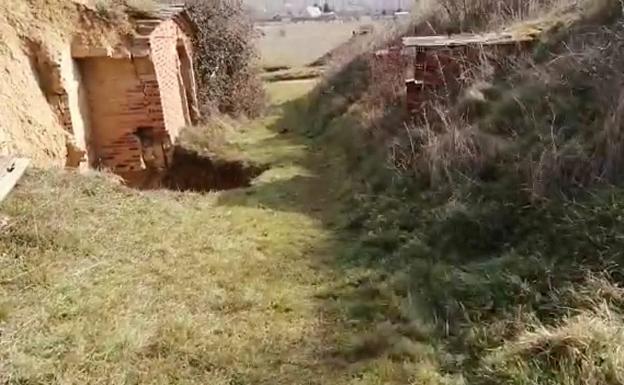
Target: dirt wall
[
  {"x": 35, "y": 38},
  {"x": 28, "y": 125}
]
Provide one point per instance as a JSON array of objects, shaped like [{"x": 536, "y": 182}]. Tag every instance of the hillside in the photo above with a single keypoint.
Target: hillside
[
  {"x": 36, "y": 33},
  {"x": 489, "y": 222}
]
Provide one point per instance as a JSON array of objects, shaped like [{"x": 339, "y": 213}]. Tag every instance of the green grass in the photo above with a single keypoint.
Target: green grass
[
  {"x": 100, "y": 283},
  {"x": 474, "y": 281}
]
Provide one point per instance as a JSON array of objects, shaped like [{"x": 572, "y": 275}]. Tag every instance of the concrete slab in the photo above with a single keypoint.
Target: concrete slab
[{"x": 11, "y": 170}]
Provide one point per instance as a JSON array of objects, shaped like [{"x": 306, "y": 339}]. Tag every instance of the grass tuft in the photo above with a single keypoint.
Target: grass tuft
[{"x": 583, "y": 349}]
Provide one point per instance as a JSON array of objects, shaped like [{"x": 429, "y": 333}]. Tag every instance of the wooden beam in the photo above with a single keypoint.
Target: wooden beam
[
  {"x": 11, "y": 170},
  {"x": 443, "y": 41}
]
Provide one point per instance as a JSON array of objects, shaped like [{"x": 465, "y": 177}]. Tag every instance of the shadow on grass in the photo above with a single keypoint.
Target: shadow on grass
[{"x": 321, "y": 188}]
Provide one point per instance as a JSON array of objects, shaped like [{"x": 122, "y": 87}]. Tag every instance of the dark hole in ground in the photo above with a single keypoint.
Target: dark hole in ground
[{"x": 192, "y": 171}]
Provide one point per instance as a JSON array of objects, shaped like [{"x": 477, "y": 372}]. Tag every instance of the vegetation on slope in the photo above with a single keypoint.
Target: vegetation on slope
[
  {"x": 488, "y": 234},
  {"x": 225, "y": 57}
]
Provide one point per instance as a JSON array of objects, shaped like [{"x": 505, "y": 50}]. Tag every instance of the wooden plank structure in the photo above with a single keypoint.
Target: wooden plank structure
[
  {"x": 11, "y": 170},
  {"x": 440, "y": 59},
  {"x": 466, "y": 39}
]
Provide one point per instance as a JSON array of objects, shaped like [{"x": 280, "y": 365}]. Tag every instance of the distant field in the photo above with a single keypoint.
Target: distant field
[{"x": 298, "y": 44}]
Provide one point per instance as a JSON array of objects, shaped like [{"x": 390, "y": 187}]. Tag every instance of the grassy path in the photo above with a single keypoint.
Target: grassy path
[{"x": 100, "y": 284}]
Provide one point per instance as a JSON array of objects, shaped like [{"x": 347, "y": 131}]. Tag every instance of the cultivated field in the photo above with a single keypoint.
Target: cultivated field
[{"x": 298, "y": 44}]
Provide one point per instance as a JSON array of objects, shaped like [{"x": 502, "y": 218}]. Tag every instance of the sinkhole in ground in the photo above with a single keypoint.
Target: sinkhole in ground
[{"x": 191, "y": 171}]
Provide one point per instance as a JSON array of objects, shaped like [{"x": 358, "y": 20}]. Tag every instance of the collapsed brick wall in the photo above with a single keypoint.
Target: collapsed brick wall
[
  {"x": 123, "y": 95},
  {"x": 447, "y": 68}
]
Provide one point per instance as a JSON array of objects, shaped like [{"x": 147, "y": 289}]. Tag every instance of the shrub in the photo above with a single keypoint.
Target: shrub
[
  {"x": 555, "y": 122},
  {"x": 224, "y": 56},
  {"x": 112, "y": 11},
  {"x": 439, "y": 16},
  {"x": 141, "y": 7},
  {"x": 117, "y": 11}
]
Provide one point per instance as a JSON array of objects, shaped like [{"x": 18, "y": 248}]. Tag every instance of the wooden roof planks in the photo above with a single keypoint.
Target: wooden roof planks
[
  {"x": 439, "y": 60},
  {"x": 11, "y": 170},
  {"x": 465, "y": 39}
]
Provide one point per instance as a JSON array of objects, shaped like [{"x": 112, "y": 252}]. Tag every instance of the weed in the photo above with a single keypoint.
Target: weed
[
  {"x": 118, "y": 11},
  {"x": 491, "y": 228},
  {"x": 112, "y": 11}
]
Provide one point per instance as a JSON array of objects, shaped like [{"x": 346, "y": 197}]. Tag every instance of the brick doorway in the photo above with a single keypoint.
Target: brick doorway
[{"x": 123, "y": 95}]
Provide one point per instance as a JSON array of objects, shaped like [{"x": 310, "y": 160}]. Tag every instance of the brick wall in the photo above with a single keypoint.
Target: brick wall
[
  {"x": 59, "y": 80},
  {"x": 123, "y": 95},
  {"x": 449, "y": 67},
  {"x": 164, "y": 53},
  {"x": 157, "y": 91},
  {"x": 185, "y": 53}
]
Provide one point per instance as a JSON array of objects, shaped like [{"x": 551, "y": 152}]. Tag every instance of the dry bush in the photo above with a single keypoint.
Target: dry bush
[
  {"x": 575, "y": 133},
  {"x": 474, "y": 15},
  {"x": 441, "y": 143},
  {"x": 584, "y": 349},
  {"x": 451, "y": 16},
  {"x": 224, "y": 57},
  {"x": 117, "y": 11},
  {"x": 497, "y": 114},
  {"x": 141, "y": 7},
  {"x": 383, "y": 103},
  {"x": 112, "y": 11},
  {"x": 436, "y": 153}
]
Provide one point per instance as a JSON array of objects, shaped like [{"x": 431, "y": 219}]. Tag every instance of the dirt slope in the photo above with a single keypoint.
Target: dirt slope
[{"x": 28, "y": 125}]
